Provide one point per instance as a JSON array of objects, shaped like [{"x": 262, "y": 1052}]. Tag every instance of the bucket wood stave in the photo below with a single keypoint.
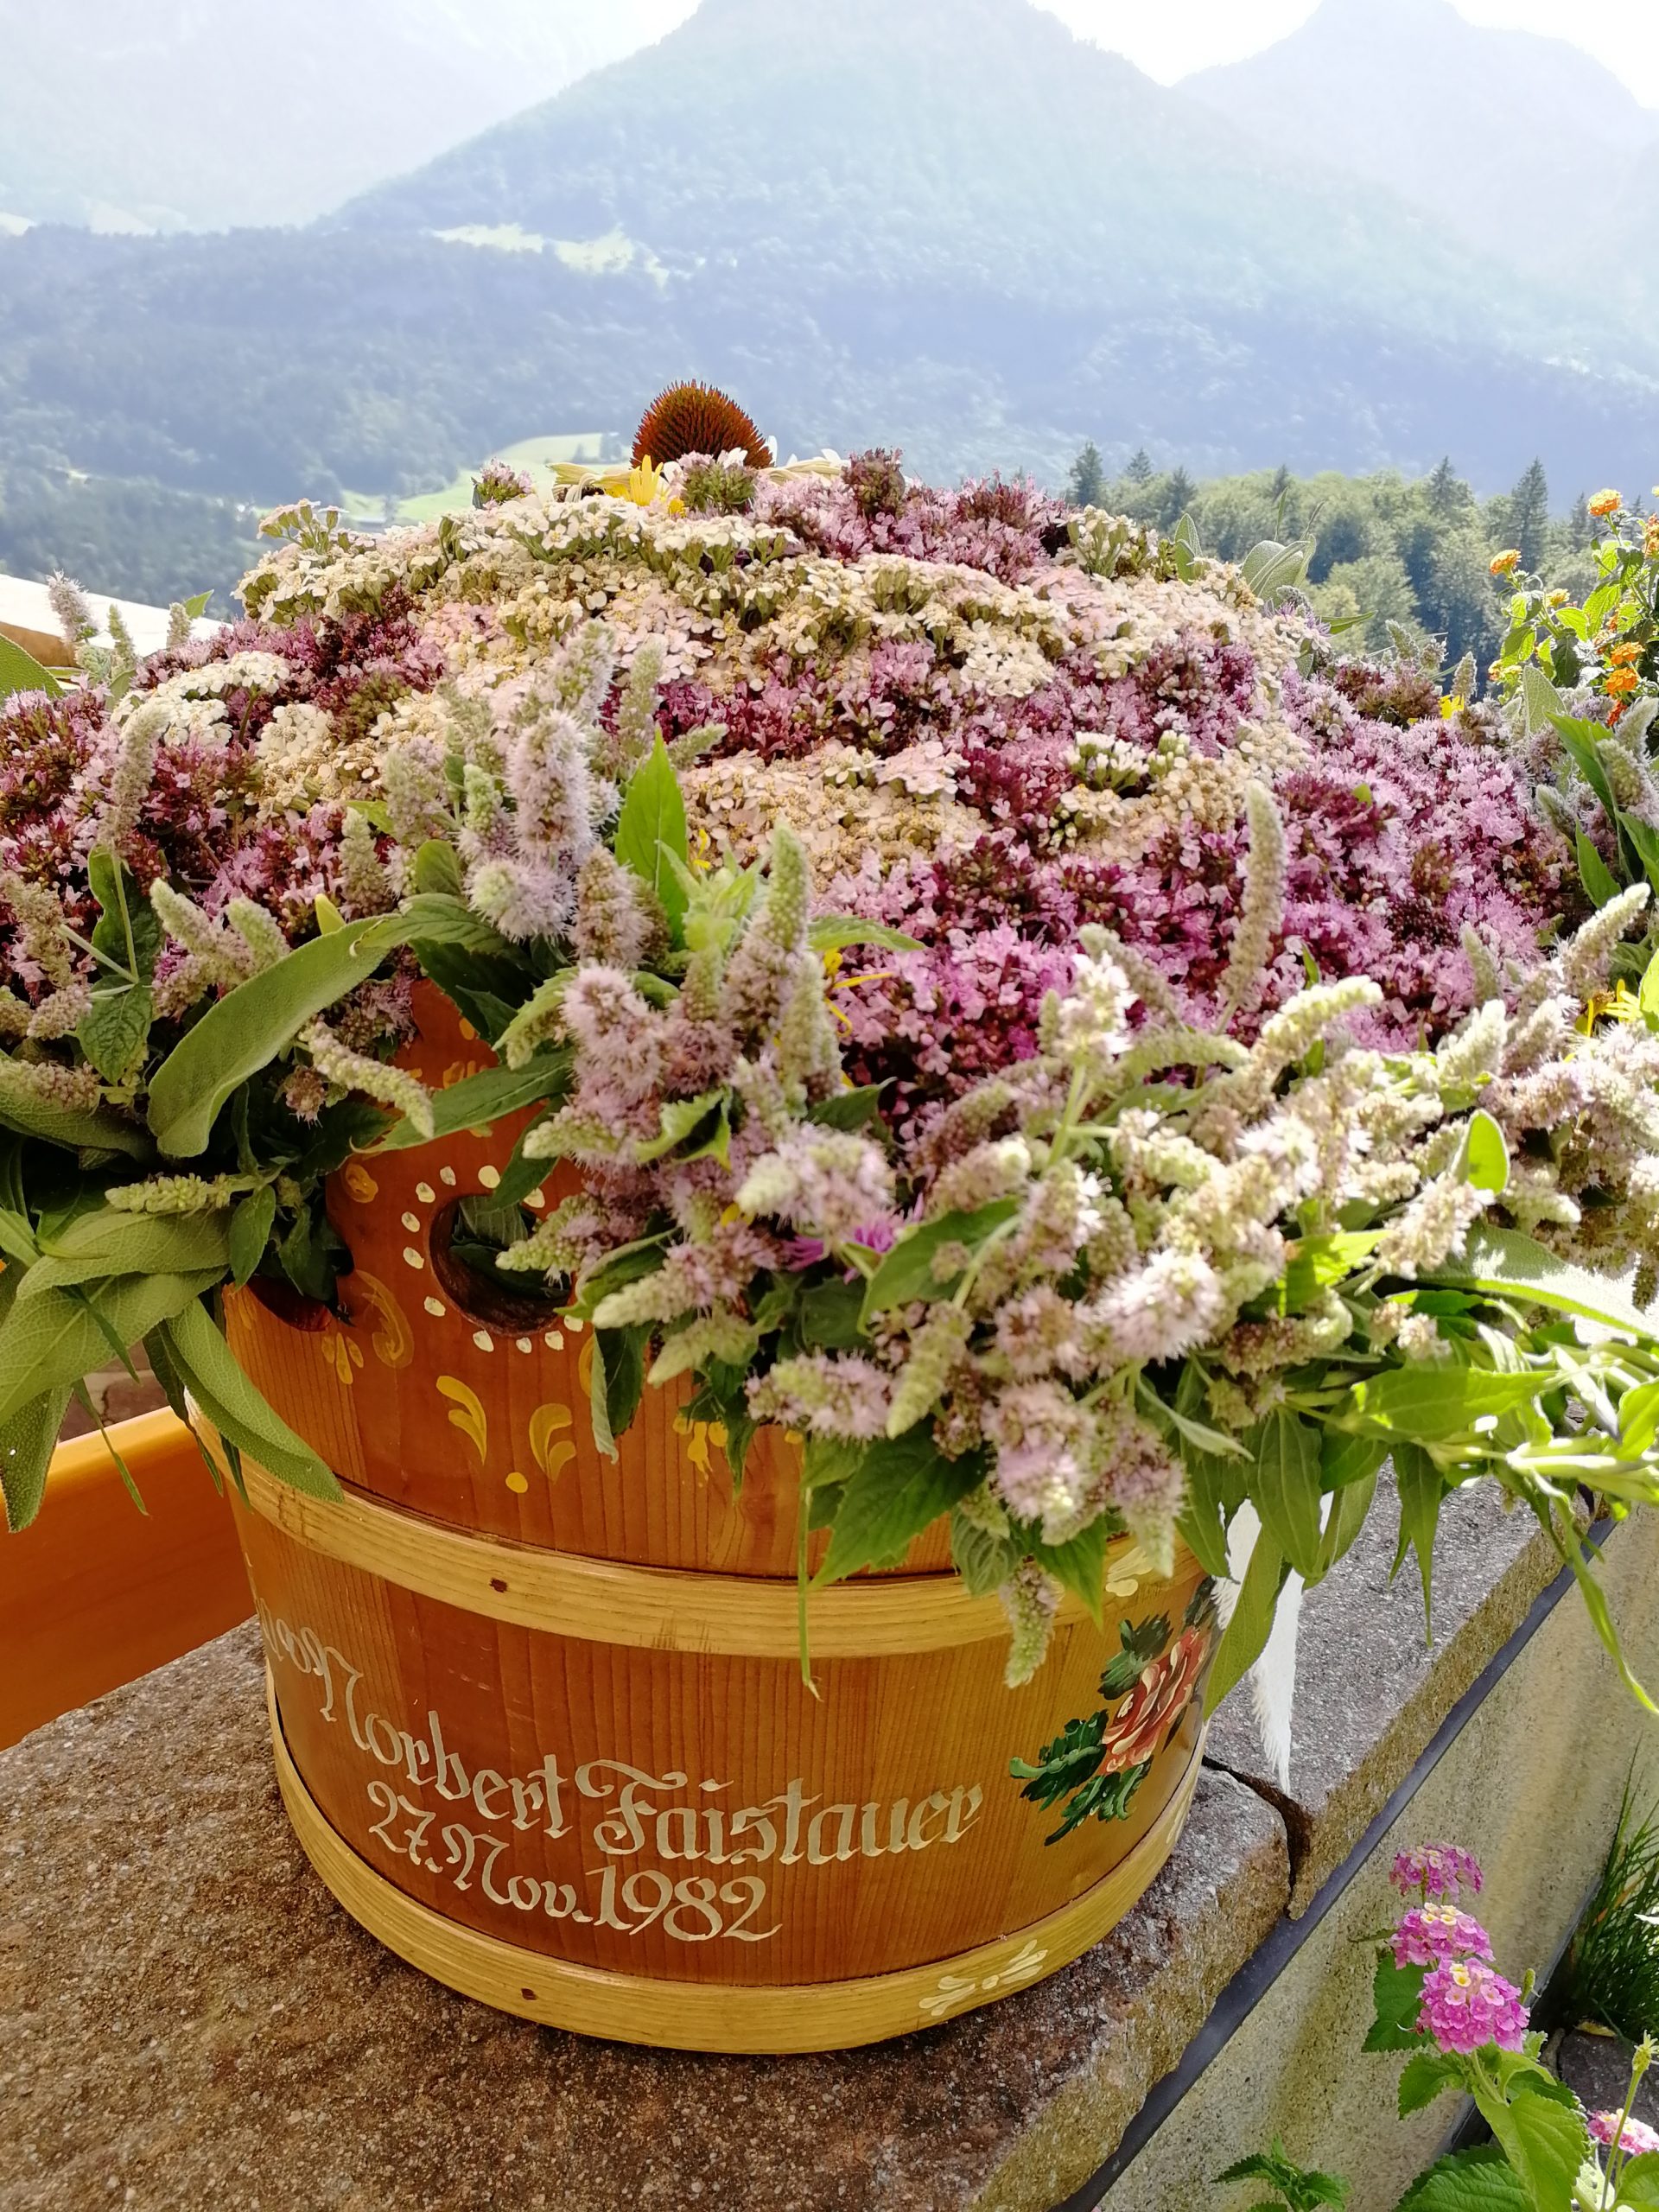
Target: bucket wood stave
[{"x": 539, "y": 1716}]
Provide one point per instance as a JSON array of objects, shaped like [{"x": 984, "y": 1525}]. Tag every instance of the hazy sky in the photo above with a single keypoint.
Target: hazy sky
[{"x": 1169, "y": 38}]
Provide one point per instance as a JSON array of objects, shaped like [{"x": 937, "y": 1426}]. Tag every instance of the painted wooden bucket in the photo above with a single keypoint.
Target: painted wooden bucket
[{"x": 539, "y": 1716}]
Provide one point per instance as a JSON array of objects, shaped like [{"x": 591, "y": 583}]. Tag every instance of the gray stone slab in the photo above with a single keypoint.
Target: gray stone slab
[
  {"x": 186, "y": 2020},
  {"x": 1597, "y": 2068},
  {"x": 1372, "y": 1689}
]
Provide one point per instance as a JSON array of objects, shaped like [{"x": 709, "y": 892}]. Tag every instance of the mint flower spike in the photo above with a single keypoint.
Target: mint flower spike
[
  {"x": 348, "y": 1071},
  {"x": 1261, "y": 913},
  {"x": 169, "y": 1194}
]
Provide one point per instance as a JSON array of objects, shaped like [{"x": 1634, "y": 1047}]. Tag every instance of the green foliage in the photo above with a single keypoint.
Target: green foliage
[
  {"x": 1610, "y": 1972},
  {"x": 1298, "y": 2189}
]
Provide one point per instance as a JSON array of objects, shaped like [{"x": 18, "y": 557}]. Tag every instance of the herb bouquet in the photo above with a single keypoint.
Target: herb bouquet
[{"x": 977, "y": 989}]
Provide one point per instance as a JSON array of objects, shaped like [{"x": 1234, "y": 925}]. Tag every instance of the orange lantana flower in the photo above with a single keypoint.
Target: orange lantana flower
[{"x": 1606, "y": 503}]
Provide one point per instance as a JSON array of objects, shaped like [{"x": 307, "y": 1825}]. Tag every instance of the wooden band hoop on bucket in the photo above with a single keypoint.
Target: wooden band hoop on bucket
[
  {"x": 717, "y": 2016},
  {"x": 652, "y": 1608}
]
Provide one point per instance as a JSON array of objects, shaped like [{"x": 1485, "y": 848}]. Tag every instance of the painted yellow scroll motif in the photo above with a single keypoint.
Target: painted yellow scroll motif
[
  {"x": 342, "y": 1355},
  {"x": 467, "y": 1414},
  {"x": 544, "y": 1423},
  {"x": 394, "y": 1340}
]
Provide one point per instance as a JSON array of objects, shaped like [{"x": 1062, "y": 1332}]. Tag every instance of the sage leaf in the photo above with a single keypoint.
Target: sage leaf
[
  {"x": 250, "y": 1233},
  {"x": 50, "y": 1342},
  {"x": 27, "y": 1442},
  {"x": 1505, "y": 1264},
  {"x": 831, "y": 931},
  {"x": 108, "y": 1243},
  {"x": 245, "y": 1031},
  {"x": 20, "y": 671},
  {"x": 202, "y": 1361}
]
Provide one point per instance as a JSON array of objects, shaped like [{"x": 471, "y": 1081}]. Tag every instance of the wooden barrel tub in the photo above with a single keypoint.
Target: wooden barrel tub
[{"x": 538, "y": 1715}]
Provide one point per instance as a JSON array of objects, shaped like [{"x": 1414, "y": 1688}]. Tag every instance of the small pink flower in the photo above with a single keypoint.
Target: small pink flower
[
  {"x": 1467, "y": 2005},
  {"x": 1430, "y": 1932},
  {"x": 1436, "y": 1870},
  {"x": 1638, "y": 2137}
]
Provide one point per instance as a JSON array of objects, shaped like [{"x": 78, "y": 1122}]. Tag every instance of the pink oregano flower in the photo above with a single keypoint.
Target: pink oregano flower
[
  {"x": 1431, "y": 1932},
  {"x": 1467, "y": 2005},
  {"x": 1436, "y": 1870}
]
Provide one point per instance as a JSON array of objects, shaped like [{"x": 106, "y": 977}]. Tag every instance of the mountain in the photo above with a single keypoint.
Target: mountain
[
  {"x": 1500, "y": 135},
  {"x": 167, "y": 114},
  {"x": 947, "y": 225}
]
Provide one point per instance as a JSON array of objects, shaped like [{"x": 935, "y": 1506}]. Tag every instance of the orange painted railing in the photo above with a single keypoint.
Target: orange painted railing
[{"x": 94, "y": 1592}]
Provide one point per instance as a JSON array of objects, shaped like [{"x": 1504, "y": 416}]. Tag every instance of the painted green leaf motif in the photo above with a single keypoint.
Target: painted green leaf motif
[
  {"x": 906, "y": 1273},
  {"x": 203, "y": 1360},
  {"x": 900, "y": 1486},
  {"x": 48, "y": 1342},
  {"x": 652, "y": 824},
  {"x": 106, "y": 1244},
  {"x": 27, "y": 1441},
  {"x": 246, "y": 1029}
]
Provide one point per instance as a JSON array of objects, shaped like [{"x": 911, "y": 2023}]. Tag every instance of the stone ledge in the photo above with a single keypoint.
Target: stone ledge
[
  {"x": 1371, "y": 1690},
  {"x": 186, "y": 2019}
]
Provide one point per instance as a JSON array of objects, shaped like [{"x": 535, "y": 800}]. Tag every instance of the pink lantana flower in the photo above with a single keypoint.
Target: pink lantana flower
[
  {"x": 1467, "y": 2005},
  {"x": 1436, "y": 1870},
  {"x": 1431, "y": 1932},
  {"x": 1637, "y": 2136}
]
